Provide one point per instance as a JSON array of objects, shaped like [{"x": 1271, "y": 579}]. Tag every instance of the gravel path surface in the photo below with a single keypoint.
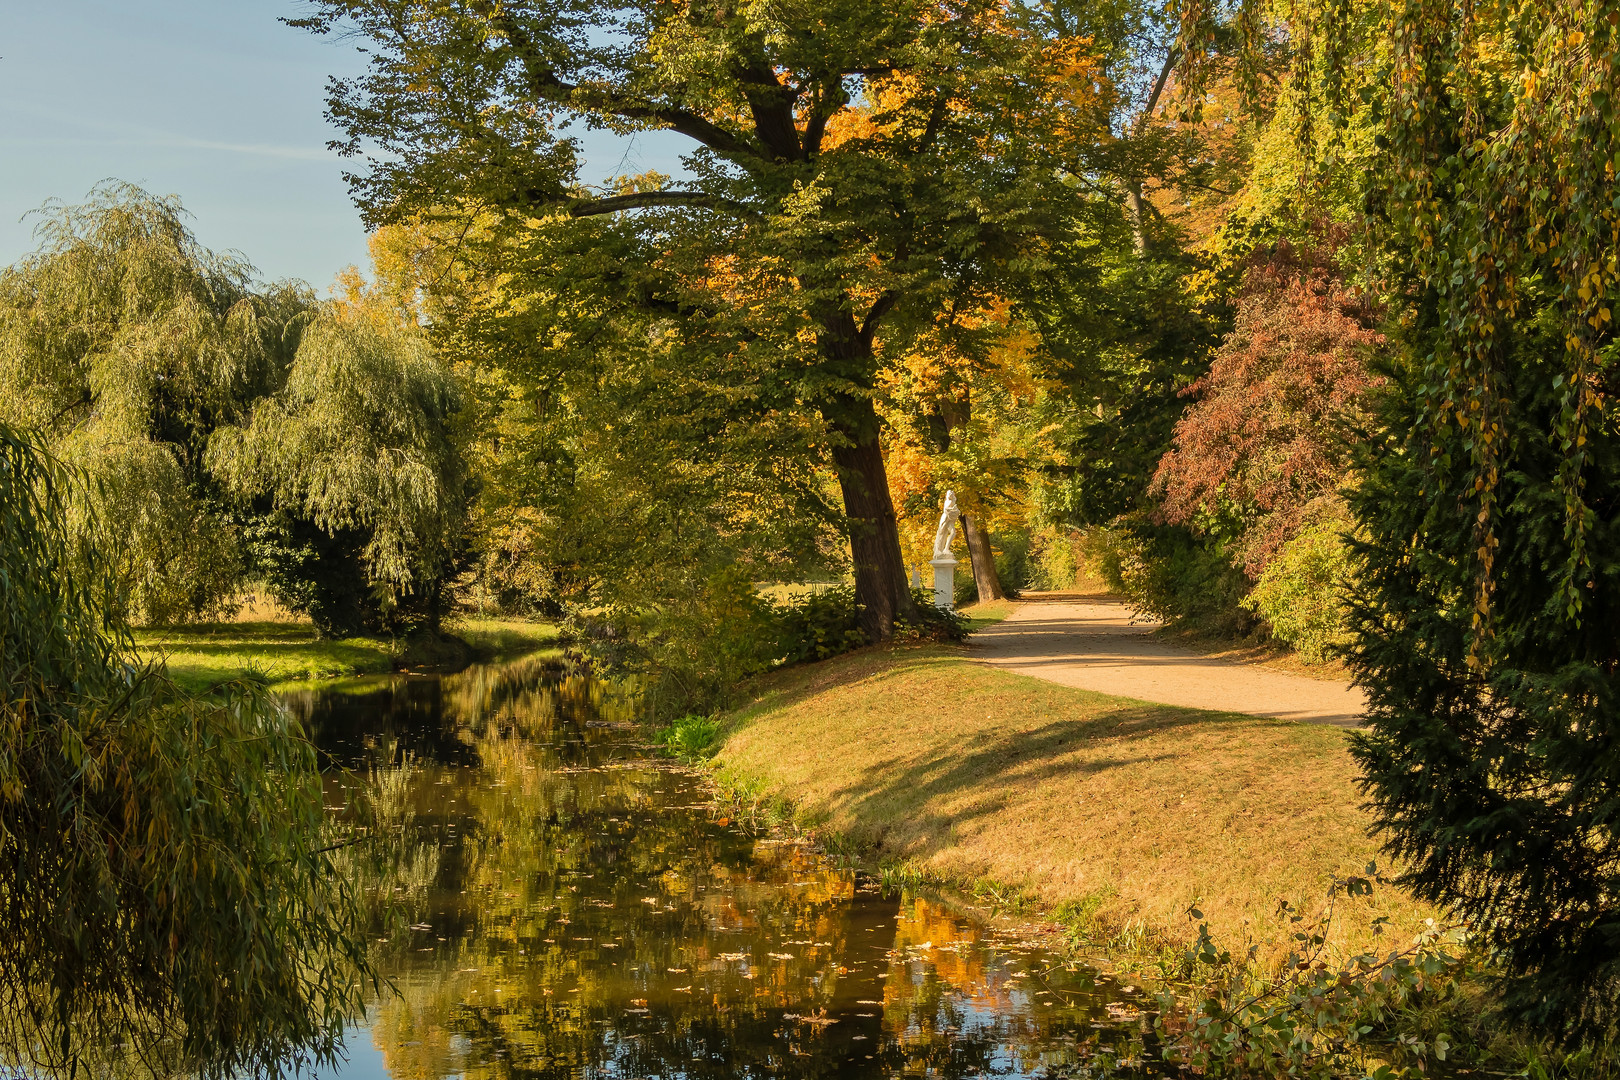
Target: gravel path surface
[{"x": 1096, "y": 645}]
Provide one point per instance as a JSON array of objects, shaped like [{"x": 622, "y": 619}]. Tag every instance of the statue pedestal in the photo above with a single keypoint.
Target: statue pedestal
[{"x": 944, "y": 583}]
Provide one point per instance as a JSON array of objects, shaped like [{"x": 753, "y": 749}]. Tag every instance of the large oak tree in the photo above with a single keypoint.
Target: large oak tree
[{"x": 860, "y": 168}]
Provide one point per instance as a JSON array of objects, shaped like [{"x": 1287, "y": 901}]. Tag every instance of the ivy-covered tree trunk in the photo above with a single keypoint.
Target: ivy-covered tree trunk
[{"x": 983, "y": 559}]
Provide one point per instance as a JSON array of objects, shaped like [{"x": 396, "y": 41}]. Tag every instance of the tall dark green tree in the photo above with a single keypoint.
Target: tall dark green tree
[
  {"x": 1489, "y": 579},
  {"x": 858, "y": 168}
]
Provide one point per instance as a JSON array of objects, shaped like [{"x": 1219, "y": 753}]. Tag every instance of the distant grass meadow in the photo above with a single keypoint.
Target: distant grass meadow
[{"x": 284, "y": 652}]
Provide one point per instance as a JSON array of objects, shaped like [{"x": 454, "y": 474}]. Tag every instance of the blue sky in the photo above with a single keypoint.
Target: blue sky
[{"x": 211, "y": 100}]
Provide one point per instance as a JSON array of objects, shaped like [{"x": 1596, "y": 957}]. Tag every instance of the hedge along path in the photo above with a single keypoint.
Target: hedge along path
[{"x": 1094, "y": 643}]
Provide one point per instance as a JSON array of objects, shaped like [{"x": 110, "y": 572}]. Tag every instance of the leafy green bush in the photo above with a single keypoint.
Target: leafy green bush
[
  {"x": 1313, "y": 1018},
  {"x": 1057, "y": 558},
  {"x": 933, "y": 624},
  {"x": 1014, "y": 567},
  {"x": 1168, "y": 573},
  {"x": 1300, "y": 593},
  {"x": 698, "y": 645},
  {"x": 691, "y": 653},
  {"x": 819, "y": 625},
  {"x": 690, "y": 738},
  {"x": 966, "y": 589}
]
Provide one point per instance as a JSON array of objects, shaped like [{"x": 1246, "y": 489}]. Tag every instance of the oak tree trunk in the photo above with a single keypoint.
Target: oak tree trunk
[
  {"x": 874, "y": 536},
  {"x": 983, "y": 560}
]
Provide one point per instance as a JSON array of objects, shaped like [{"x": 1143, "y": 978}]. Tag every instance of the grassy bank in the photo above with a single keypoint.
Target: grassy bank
[
  {"x": 205, "y": 654},
  {"x": 1122, "y": 814}
]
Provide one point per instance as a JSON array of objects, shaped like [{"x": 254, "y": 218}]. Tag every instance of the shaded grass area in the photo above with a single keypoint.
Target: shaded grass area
[
  {"x": 986, "y": 613},
  {"x": 1118, "y": 813},
  {"x": 202, "y": 655},
  {"x": 501, "y": 639}
]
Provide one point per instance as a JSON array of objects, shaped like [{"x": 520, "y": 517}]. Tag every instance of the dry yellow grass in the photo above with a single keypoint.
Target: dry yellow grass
[{"x": 1132, "y": 810}]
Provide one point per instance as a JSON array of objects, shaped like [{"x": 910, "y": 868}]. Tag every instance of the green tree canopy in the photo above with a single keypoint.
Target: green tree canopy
[
  {"x": 126, "y": 343},
  {"x": 855, "y": 170}
]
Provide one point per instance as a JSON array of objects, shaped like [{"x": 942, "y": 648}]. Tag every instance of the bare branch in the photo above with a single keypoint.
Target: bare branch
[
  {"x": 1171, "y": 59},
  {"x": 635, "y": 200}
]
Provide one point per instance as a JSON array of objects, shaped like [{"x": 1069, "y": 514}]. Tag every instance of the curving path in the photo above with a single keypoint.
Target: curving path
[{"x": 1095, "y": 644}]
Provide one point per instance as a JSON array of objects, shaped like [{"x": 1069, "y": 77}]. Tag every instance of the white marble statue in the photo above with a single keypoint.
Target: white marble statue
[{"x": 947, "y": 527}]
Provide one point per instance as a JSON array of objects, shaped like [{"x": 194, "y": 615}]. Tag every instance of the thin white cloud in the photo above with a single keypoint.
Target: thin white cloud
[{"x": 155, "y": 138}]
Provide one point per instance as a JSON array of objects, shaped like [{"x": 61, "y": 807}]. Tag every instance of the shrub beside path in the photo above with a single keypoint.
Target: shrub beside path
[{"x": 1095, "y": 643}]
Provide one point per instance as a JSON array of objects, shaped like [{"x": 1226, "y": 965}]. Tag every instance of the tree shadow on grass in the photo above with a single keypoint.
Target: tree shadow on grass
[{"x": 889, "y": 795}]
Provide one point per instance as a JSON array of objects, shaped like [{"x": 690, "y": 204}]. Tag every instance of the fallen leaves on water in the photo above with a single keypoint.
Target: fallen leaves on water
[{"x": 818, "y": 1018}]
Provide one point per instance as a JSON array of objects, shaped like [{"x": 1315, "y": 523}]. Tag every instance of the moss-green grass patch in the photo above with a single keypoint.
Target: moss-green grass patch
[{"x": 203, "y": 655}]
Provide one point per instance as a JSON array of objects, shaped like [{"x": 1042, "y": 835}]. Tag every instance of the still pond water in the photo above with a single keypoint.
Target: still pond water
[{"x": 554, "y": 900}]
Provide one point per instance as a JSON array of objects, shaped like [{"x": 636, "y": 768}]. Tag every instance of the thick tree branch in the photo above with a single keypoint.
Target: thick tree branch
[
  {"x": 936, "y": 118},
  {"x": 1171, "y": 59},
  {"x": 636, "y": 200},
  {"x": 771, "y": 104},
  {"x": 880, "y": 307},
  {"x": 545, "y": 84},
  {"x": 1134, "y": 200},
  {"x": 690, "y": 124}
]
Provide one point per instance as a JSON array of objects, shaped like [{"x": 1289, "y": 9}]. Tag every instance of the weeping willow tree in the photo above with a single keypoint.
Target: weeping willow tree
[
  {"x": 125, "y": 343},
  {"x": 166, "y": 901},
  {"x": 364, "y": 441},
  {"x": 232, "y": 429},
  {"x": 1485, "y": 140}
]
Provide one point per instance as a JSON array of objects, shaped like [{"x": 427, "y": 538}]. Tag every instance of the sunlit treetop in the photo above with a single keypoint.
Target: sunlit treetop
[{"x": 853, "y": 170}]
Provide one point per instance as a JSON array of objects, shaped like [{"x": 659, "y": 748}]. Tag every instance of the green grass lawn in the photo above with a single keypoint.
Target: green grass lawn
[
  {"x": 203, "y": 655},
  {"x": 1126, "y": 812},
  {"x": 981, "y": 615}
]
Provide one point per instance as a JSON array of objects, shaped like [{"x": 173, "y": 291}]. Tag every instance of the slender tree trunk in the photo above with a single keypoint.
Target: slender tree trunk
[
  {"x": 436, "y": 607},
  {"x": 983, "y": 559},
  {"x": 874, "y": 536},
  {"x": 1133, "y": 206},
  {"x": 1133, "y": 186}
]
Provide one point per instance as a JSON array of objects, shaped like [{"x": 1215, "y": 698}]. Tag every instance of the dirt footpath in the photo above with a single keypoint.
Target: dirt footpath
[{"x": 1096, "y": 644}]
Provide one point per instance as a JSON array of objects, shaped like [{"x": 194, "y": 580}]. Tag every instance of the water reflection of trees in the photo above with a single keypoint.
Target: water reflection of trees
[{"x": 567, "y": 905}]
